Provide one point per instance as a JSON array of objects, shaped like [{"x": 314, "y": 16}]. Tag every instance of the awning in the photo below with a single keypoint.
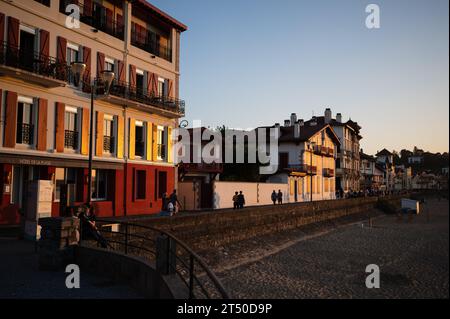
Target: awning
[{"x": 16, "y": 159}]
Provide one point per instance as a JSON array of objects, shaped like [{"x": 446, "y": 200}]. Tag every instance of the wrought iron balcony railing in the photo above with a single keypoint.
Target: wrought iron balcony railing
[
  {"x": 148, "y": 41},
  {"x": 25, "y": 134},
  {"x": 33, "y": 62},
  {"x": 71, "y": 139},
  {"x": 108, "y": 144},
  {"x": 302, "y": 169},
  {"x": 96, "y": 17},
  {"x": 328, "y": 172},
  {"x": 126, "y": 91}
]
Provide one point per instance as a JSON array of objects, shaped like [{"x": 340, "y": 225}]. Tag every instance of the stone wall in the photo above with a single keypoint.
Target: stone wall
[{"x": 207, "y": 229}]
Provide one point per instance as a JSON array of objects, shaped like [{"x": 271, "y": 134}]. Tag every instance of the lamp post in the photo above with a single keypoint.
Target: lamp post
[
  {"x": 106, "y": 78},
  {"x": 311, "y": 150}
]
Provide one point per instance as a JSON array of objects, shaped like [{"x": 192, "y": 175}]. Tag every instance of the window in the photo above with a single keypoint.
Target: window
[
  {"x": 99, "y": 184},
  {"x": 73, "y": 56},
  {"x": 108, "y": 134},
  {"x": 140, "y": 184},
  {"x": 44, "y": 2},
  {"x": 139, "y": 82},
  {"x": 25, "y": 127},
  {"x": 161, "y": 86},
  {"x": 66, "y": 176},
  {"x": 27, "y": 47},
  {"x": 71, "y": 128},
  {"x": 140, "y": 139},
  {"x": 109, "y": 64},
  {"x": 162, "y": 183},
  {"x": 161, "y": 143}
]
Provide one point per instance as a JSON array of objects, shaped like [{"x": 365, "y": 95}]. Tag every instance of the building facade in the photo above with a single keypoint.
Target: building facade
[
  {"x": 371, "y": 173},
  {"x": 45, "y": 107},
  {"x": 386, "y": 161},
  {"x": 307, "y": 159}
]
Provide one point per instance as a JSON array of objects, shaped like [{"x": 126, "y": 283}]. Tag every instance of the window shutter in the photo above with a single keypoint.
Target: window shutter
[
  {"x": 109, "y": 20},
  {"x": 87, "y": 8},
  {"x": 85, "y": 132},
  {"x": 155, "y": 143},
  {"x": 149, "y": 83},
  {"x": 13, "y": 32},
  {"x": 121, "y": 76},
  {"x": 170, "y": 88},
  {"x": 132, "y": 141},
  {"x": 119, "y": 26},
  {"x": 42, "y": 125},
  {"x": 44, "y": 44},
  {"x": 87, "y": 73},
  {"x": 2, "y": 29},
  {"x": 59, "y": 139},
  {"x": 99, "y": 135},
  {"x": 132, "y": 77},
  {"x": 154, "y": 80},
  {"x": 61, "y": 56},
  {"x": 100, "y": 63},
  {"x": 169, "y": 145},
  {"x": 149, "y": 141},
  {"x": 10, "y": 119},
  {"x": 120, "y": 136}
]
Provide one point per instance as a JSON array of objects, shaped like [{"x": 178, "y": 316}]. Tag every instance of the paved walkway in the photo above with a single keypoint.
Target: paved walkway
[
  {"x": 413, "y": 259},
  {"x": 20, "y": 277}
]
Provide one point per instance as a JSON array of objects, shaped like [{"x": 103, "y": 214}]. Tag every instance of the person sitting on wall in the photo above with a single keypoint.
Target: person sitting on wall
[
  {"x": 235, "y": 200},
  {"x": 241, "y": 200},
  {"x": 89, "y": 228},
  {"x": 170, "y": 209},
  {"x": 174, "y": 200},
  {"x": 280, "y": 197},
  {"x": 274, "y": 197}
]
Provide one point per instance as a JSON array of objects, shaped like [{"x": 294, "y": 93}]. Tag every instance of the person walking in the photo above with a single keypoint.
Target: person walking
[
  {"x": 241, "y": 200},
  {"x": 235, "y": 200},
  {"x": 280, "y": 197},
  {"x": 274, "y": 197}
]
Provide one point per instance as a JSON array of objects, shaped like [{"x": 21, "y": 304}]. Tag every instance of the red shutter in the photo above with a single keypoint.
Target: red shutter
[
  {"x": 121, "y": 76},
  {"x": 42, "y": 125},
  {"x": 149, "y": 83},
  {"x": 10, "y": 119},
  {"x": 100, "y": 63},
  {"x": 44, "y": 44},
  {"x": 109, "y": 20},
  {"x": 154, "y": 84},
  {"x": 132, "y": 77},
  {"x": 87, "y": 72},
  {"x": 119, "y": 25},
  {"x": 2, "y": 29},
  {"x": 13, "y": 32},
  {"x": 59, "y": 138},
  {"x": 170, "y": 88},
  {"x": 61, "y": 56},
  {"x": 87, "y": 8}
]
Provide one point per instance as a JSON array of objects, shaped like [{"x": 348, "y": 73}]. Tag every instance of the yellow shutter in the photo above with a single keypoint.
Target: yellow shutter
[
  {"x": 155, "y": 142},
  {"x": 85, "y": 132},
  {"x": 120, "y": 136},
  {"x": 300, "y": 186},
  {"x": 149, "y": 141},
  {"x": 132, "y": 140},
  {"x": 99, "y": 136},
  {"x": 169, "y": 145},
  {"x": 291, "y": 184}
]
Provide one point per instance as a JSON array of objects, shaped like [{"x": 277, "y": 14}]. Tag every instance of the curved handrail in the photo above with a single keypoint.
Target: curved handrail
[{"x": 193, "y": 257}]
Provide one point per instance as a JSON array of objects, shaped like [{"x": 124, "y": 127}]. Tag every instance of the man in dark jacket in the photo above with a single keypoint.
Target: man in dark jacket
[
  {"x": 280, "y": 197},
  {"x": 241, "y": 200}
]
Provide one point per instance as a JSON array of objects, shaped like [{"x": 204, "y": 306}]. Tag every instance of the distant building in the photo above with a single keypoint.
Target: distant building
[
  {"x": 372, "y": 173},
  {"x": 386, "y": 160}
]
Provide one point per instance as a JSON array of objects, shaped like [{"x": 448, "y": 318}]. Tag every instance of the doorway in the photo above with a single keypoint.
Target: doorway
[{"x": 27, "y": 41}]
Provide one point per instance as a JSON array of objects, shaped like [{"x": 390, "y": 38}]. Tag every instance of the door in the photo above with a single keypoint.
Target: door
[{"x": 206, "y": 195}]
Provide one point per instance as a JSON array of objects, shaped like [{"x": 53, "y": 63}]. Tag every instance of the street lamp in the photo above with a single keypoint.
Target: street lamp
[
  {"x": 106, "y": 79},
  {"x": 311, "y": 150}
]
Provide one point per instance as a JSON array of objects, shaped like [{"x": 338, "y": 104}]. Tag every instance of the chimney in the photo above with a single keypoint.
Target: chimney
[
  {"x": 301, "y": 122},
  {"x": 328, "y": 115},
  {"x": 293, "y": 118},
  {"x": 313, "y": 121},
  {"x": 287, "y": 123},
  {"x": 339, "y": 117},
  {"x": 277, "y": 125},
  {"x": 297, "y": 129}
]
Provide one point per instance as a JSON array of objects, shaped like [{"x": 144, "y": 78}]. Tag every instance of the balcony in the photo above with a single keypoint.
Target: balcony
[
  {"x": 328, "y": 172},
  {"x": 148, "y": 41},
  {"x": 96, "y": 16},
  {"x": 301, "y": 169},
  {"x": 32, "y": 67},
  {"x": 25, "y": 134},
  {"x": 108, "y": 144},
  {"x": 71, "y": 139},
  {"x": 123, "y": 93}
]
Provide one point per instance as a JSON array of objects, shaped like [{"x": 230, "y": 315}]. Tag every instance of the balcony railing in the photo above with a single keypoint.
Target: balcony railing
[
  {"x": 126, "y": 91},
  {"x": 108, "y": 144},
  {"x": 96, "y": 17},
  {"x": 25, "y": 134},
  {"x": 33, "y": 62},
  {"x": 71, "y": 139},
  {"x": 302, "y": 169},
  {"x": 148, "y": 41},
  {"x": 328, "y": 172}
]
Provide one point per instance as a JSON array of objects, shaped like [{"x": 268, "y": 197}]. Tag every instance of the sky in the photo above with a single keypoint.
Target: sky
[{"x": 249, "y": 63}]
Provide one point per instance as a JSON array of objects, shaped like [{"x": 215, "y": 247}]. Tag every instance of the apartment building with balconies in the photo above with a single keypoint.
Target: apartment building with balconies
[
  {"x": 307, "y": 153},
  {"x": 45, "y": 106}
]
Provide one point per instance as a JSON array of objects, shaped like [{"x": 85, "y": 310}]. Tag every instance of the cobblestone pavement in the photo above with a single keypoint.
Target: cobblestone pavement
[
  {"x": 20, "y": 277},
  {"x": 413, "y": 258}
]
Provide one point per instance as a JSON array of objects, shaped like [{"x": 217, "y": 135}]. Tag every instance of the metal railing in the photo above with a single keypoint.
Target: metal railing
[
  {"x": 33, "y": 62},
  {"x": 129, "y": 92},
  {"x": 148, "y": 41},
  {"x": 25, "y": 134},
  {"x": 95, "y": 16},
  {"x": 171, "y": 255},
  {"x": 303, "y": 168},
  {"x": 71, "y": 139}
]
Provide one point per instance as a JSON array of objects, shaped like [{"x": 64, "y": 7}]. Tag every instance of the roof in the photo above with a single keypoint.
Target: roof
[
  {"x": 384, "y": 152},
  {"x": 353, "y": 125},
  {"x": 174, "y": 22},
  {"x": 306, "y": 132},
  {"x": 365, "y": 156}
]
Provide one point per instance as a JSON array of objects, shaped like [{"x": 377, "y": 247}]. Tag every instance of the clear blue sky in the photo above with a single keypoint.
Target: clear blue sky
[{"x": 247, "y": 63}]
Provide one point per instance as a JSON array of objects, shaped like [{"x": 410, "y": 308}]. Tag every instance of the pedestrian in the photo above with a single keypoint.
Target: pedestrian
[
  {"x": 241, "y": 200},
  {"x": 280, "y": 197},
  {"x": 235, "y": 200},
  {"x": 274, "y": 197},
  {"x": 170, "y": 209},
  {"x": 174, "y": 200}
]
